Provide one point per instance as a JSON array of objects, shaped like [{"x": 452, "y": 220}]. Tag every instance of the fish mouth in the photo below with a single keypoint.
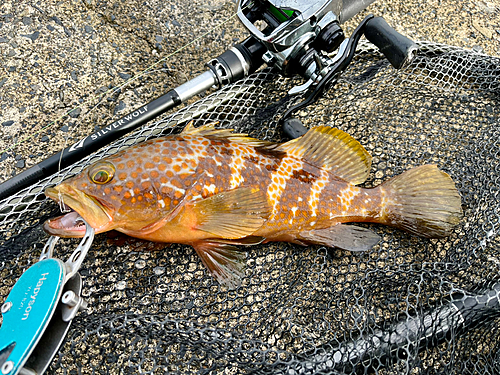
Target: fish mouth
[
  {"x": 82, "y": 206},
  {"x": 68, "y": 225}
]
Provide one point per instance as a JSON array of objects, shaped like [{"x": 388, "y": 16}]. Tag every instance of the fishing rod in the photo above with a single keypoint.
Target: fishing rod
[
  {"x": 393, "y": 342},
  {"x": 297, "y": 37}
]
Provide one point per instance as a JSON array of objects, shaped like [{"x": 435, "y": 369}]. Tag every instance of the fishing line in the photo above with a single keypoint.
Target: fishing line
[{"x": 115, "y": 89}]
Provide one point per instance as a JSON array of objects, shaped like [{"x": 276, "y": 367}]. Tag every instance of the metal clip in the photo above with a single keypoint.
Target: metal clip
[{"x": 39, "y": 309}]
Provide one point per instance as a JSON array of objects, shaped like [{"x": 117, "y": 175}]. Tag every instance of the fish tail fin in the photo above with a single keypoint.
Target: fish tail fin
[{"x": 423, "y": 201}]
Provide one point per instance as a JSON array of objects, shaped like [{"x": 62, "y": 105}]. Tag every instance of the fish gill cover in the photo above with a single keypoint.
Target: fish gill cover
[{"x": 313, "y": 309}]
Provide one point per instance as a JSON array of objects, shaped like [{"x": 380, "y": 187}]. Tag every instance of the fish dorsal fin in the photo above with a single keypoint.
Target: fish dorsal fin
[
  {"x": 334, "y": 150},
  {"x": 204, "y": 130},
  {"x": 209, "y": 131}
]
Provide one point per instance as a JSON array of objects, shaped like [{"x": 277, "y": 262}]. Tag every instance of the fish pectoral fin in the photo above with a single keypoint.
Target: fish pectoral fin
[
  {"x": 333, "y": 150},
  {"x": 231, "y": 214},
  {"x": 346, "y": 237},
  {"x": 225, "y": 262}
]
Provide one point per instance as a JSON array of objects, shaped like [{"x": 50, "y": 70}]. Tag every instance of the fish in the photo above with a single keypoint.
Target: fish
[{"x": 216, "y": 190}]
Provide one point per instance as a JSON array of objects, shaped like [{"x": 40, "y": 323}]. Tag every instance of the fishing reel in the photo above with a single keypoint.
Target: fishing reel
[
  {"x": 301, "y": 36},
  {"x": 293, "y": 32}
]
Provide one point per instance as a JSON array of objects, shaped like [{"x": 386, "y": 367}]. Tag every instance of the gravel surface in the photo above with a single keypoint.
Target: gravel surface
[{"x": 61, "y": 62}]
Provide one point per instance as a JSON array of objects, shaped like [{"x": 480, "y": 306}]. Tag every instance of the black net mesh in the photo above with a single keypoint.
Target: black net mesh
[{"x": 404, "y": 307}]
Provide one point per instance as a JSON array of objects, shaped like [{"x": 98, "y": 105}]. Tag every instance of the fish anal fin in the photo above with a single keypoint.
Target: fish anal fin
[
  {"x": 346, "y": 237},
  {"x": 225, "y": 262},
  {"x": 188, "y": 128},
  {"x": 231, "y": 214},
  {"x": 334, "y": 150}
]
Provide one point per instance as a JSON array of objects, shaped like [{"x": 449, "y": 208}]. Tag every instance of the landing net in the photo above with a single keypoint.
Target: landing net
[{"x": 303, "y": 309}]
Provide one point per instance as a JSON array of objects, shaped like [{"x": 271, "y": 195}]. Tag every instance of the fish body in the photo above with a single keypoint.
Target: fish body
[{"x": 213, "y": 189}]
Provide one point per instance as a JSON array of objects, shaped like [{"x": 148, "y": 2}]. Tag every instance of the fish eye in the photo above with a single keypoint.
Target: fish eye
[{"x": 102, "y": 173}]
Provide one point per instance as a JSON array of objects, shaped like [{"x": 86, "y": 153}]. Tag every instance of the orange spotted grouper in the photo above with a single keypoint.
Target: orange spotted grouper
[{"x": 213, "y": 189}]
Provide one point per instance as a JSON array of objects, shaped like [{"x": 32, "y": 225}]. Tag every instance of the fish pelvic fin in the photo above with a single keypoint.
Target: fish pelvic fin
[
  {"x": 333, "y": 150},
  {"x": 225, "y": 262},
  {"x": 423, "y": 201}
]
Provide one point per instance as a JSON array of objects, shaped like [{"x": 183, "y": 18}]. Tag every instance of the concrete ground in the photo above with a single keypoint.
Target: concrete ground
[{"x": 62, "y": 56}]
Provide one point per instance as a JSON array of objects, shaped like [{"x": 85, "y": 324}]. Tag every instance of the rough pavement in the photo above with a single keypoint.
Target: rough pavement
[{"x": 57, "y": 57}]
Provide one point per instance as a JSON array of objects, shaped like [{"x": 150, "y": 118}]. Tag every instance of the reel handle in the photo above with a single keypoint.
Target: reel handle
[{"x": 397, "y": 48}]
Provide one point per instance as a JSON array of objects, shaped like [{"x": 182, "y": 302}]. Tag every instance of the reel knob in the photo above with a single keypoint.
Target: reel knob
[{"x": 329, "y": 38}]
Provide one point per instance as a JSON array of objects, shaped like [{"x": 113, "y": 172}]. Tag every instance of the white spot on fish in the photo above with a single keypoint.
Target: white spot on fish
[
  {"x": 316, "y": 189},
  {"x": 312, "y": 223},
  {"x": 162, "y": 203},
  {"x": 294, "y": 210},
  {"x": 131, "y": 192},
  {"x": 236, "y": 165},
  {"x": 299, "y": 199},
  {"x": 280, "y": 178},
  {"x": 210, "y": 188},
  {"x": 347, "y": 195},
  {"x": 217, "y": 162},
  {"x": 383, "y": 202},
  {"x": 175, "y": 188}
]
